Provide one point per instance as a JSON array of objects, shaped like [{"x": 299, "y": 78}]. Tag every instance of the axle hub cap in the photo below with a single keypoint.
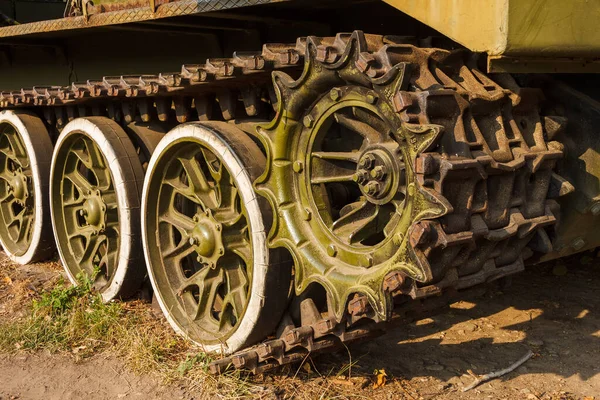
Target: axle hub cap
[
  {"x": 206, "y": 239},
  {"x": 18, "y": 185}
]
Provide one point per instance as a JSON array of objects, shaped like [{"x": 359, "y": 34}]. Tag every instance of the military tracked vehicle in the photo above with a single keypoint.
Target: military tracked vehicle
[{"x": 291, "y": 176}]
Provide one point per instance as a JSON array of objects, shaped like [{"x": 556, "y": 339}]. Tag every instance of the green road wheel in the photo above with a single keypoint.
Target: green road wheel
[
  {"x": 204, "y": 233},
  {"x": 95, "y": 187},
  {"x": 25, "y": 155}
]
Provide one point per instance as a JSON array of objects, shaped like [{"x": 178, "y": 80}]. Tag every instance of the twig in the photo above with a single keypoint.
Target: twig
[{"x": 497, "y": 374}]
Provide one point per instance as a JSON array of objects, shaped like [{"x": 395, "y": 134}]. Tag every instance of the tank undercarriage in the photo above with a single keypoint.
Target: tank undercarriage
[{"x": 301, "y": 197}]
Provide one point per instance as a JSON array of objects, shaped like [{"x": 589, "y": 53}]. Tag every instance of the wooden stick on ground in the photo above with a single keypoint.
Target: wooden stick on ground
[{"x": 497, "y": 374}]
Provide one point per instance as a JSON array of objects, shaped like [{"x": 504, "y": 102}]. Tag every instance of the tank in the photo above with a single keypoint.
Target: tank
[{"x": 292, "y": 176}]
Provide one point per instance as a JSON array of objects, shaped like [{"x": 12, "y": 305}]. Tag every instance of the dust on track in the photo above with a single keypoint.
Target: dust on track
[{"x": 551, "y": 309}]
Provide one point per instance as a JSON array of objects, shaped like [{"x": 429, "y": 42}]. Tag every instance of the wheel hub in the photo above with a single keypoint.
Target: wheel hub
[
  {"x": 94, "y": 209},
  {"x": 206, "y": 239},
  {"x": 376, "y": 175},
  {"x": 18, "y": 186}
]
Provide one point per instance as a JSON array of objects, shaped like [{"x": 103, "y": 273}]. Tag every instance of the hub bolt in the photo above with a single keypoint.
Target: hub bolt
[
  {"x": 361, "y": 176},
  {"x": 378, "y": 172},
  {"x": 372, "y": 188},
  {"x": 367, "y": 161},
  {"x": 335, "y": 94},
  {"x": 193, "y": 241}
]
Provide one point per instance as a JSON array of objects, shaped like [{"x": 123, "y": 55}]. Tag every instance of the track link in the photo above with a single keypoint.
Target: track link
[{"x": 492, "y": 165}]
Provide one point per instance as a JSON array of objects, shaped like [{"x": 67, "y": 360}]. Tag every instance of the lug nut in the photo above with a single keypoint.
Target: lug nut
[
  {"x": 378, "y": 172},
  {"x": 83, "y": 212},
  {"x": 372, "y": 188},
  {"x": 360, "y": 176},
  {"x": 193, "y": 241},
  {"x": 367, "y": 161},
  {"x": 335, "y": 94}
]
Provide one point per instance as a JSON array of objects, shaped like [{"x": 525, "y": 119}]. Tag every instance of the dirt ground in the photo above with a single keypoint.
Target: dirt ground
[{"x": 550, "y": 309}]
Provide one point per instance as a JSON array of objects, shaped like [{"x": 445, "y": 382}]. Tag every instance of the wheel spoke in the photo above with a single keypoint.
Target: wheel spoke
[
  {"x": 208, "y": 288},
  {"x": 174, "y": 218},
  {"x": 178, "y": 251},
  {"x": 363, "y": 129},
  {"x": 357, "y": 223},
  {"x": 215, "y": 167},
  {"x": 18, "y": 150},
  {"x": 338, "y": 155},
  {"x": 329, "y": 171},
  {"x": 79, "y": 181},
  {"x": 198, "y": 183},
  {"x": 24, "y": 225}
]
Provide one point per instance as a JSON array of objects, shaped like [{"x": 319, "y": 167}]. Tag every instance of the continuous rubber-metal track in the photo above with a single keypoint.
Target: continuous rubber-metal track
[{"x": 492, "y": 164}]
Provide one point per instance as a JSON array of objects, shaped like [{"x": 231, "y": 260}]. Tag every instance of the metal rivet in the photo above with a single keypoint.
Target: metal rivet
[
  {"x": 193, "y": 241},
  {"x": 298, "y": 166},
  {"x": 578, "y": 244},
  {"x": 411, "y": 189},
  {"x": 335, "y": 94},
  {"x": 307, "y": 214},
  {"x": 308, "y": 121},
  {"x": 371, "y": 98},
  {"x": 332, "y": 250}
]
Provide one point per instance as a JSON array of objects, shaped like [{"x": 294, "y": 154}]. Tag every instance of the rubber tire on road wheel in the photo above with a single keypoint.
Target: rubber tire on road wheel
[
  {"x": 271, "y": 269},
  {"x": 127, "y": 176},
  {"x": 38, "y": 146}
]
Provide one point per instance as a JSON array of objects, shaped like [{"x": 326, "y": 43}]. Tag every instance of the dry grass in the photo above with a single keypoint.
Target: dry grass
[{"x": 57, "y": 317}]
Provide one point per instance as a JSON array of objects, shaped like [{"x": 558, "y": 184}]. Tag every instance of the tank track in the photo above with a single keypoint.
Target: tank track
[{"x": 492, "y": 165}]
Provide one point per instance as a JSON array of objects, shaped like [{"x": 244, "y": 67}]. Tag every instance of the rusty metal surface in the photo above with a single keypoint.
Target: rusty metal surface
[
  {"x": 178, "y": 8},
  {"x": 191, "y": 80}
]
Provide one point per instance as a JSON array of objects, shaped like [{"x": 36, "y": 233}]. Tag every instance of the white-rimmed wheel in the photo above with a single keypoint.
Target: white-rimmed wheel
[
  {"x": 204, "y": 234},
  {"x": 95, "y": 187},
  {"x": 25, "y": 154}
]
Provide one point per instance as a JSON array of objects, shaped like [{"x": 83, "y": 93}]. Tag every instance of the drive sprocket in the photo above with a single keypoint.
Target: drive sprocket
[{"x": 340, "y": 175}]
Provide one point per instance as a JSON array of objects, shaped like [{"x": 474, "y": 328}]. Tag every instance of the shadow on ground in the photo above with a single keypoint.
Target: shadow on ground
[{"x": 551, "y": 309}]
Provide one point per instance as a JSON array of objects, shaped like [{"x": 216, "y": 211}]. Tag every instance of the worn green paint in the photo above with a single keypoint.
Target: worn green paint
[
  {"x": 320, "y": 256},
  {"x": 87, "y": 218},
  {"x": 17, "y": 210},
  {"x": 204, "y": 247}
]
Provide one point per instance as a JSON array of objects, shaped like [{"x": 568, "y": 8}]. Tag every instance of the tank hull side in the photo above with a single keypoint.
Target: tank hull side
[{"x": 518, "y": 35}]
